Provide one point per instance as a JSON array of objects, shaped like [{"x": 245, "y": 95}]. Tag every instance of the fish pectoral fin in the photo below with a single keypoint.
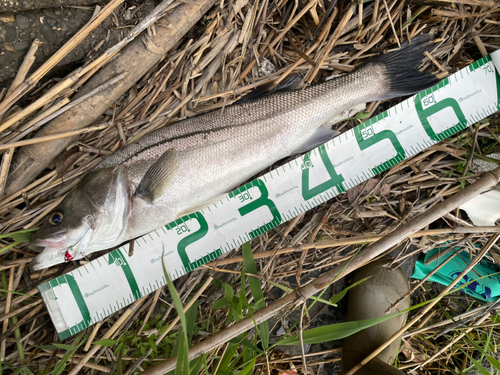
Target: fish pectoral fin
[
  {"x": 325, "y": 132},
  {"x": 158, "y": 177},
  {"x": 322, "y": 135}
]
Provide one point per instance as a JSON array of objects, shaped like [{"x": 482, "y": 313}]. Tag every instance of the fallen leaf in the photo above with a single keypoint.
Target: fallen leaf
[
  {"x": 238, "y": 5},
  {"x": 67, "y": 159}
]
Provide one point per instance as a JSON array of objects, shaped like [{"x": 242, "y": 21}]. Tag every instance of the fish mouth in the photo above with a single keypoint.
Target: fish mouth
[
  {"x": 47, "y": 258},
  {"x": 55, "y": 241},
  {"x": 50, "y": 255}
]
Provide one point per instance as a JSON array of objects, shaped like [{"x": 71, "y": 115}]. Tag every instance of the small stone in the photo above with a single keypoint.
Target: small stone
[
  {"x": 8, "y": 33},
  {"x": 7, "y": 18},
  {"x": 128, "y": 15},
  {"x": 481, "y": 166},
  {"x": 19, "y": 46},
  {"x": 22, "y": 22},
  {"x": 266, "y": 67},
  {"x": 48, "y": 34},
  {"x": 9, "y": 47},
  {"x": 50, "y": 14},
  {"x": 23, "y": 35}
]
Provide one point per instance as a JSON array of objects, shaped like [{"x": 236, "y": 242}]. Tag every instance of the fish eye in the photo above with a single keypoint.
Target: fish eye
[{"x": 55, "y": 218}]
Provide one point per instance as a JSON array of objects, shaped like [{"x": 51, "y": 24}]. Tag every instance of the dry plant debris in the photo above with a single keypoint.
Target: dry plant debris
[{"x": 237, "y": 46}]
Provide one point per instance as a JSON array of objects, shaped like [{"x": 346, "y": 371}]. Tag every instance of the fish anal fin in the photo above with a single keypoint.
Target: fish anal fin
[
  {"x": 325, "y": 132},
  {"x": 158, "y": 177}
]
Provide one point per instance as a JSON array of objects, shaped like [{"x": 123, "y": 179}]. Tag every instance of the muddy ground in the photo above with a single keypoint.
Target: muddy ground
[{"x": 54, "y": 22}]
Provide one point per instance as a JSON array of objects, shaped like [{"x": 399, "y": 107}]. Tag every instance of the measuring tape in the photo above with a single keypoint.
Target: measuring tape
[{"x": 107, "y": 284}]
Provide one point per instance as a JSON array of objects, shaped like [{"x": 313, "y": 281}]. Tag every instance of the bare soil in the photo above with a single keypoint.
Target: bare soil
[{"x": 54, "y": 24}]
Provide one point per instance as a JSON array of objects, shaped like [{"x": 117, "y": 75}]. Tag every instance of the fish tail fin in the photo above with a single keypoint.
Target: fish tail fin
[{"x": 400, "y": 68}]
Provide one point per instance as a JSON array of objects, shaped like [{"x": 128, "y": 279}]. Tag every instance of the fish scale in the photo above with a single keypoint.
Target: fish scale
[
  {"x": 109, "y": 283},
  {"x": 179, "y": 169},
  {"x": 307, "y": 103}
]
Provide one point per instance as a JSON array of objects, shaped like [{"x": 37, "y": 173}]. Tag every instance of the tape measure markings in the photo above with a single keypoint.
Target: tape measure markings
[{"x": 109, "y": 283}]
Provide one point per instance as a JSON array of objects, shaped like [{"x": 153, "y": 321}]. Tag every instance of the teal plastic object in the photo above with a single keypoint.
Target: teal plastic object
[{"x": 485, "y": 289}]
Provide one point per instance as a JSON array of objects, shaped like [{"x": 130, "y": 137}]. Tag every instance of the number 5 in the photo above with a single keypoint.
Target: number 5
[{"x": 376, "y": 138}]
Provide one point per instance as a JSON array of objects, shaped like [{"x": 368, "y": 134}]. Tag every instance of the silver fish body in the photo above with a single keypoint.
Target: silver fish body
[{"x": 151, "y": 182}]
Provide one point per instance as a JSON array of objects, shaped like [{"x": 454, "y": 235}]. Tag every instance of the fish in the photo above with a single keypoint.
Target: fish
[{"x": 153, "y": 181}]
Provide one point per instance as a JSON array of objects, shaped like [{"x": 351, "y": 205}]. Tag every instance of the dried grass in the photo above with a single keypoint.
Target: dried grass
[{"x": 225, "y": 56}]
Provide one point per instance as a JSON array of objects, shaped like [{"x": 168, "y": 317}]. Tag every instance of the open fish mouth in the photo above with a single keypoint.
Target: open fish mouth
[
  {"x": 51, "y": 256},
  {"x": 48, "y": 257},
  {"x": 57, "y": 241}
]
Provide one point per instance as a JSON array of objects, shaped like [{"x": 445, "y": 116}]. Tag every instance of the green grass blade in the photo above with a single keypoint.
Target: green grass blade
[
  {"x": 228, "y": 291},
  {"x": 191, "y": 320},
  {"x": 494, "y": 362},
  {"x": 17, "y": 336},
  {"x": 10, "y": 246},
  {"x": 243, "y": 341},
  {"x": 257, "y": 293},
  {"x": 481, "y": 369},
  {"x": 226, "y": 359},
  {"x": 195, "y": 366},
  {"x": 18, "y": 293},
  {"x": 61, "y": 365},
  {"x": 334, "y": 331},
  {"x": 20, "y": 234},
  {"x": 105, "y": 342},
  {"x": 337, "y": 297},
  {"x": 65, "y": 347},
  {"x": 248, "y": 369},
  {"x": 182, "y": 367}
]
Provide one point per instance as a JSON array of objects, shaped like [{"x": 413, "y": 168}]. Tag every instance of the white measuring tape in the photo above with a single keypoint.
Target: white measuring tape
[{"x": 92, "y": 292}]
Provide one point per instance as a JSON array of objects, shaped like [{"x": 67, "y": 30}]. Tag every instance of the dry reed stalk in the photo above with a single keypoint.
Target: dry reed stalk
[
  {"x": 415, "y": 185},
  {"x": 28, "y": 61},
  {"x": 23, "y": 88},
  {"x": 430, "y": 305},
  {"x": 351, "y": 241},
  {"x": 35, "y": 158},
  {"x": 172, "y": 324},
  {"x": 107, "y": 335},
  {"x": 52, "y": 137},
  {"x": 4, "y": 169},
  {"x": 8, "y": 301},
  {"x": 299, "y": 297},
  {"x": 331, "y": 43}
]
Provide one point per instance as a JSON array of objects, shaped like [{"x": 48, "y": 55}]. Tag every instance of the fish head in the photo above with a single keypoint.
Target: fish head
[{"x": 90, "y": 218}]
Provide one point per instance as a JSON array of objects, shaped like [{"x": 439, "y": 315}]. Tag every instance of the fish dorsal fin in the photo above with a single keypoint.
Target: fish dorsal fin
[
  {"x": 158, "y": 177},
  {"x": 288, "y": 83}
]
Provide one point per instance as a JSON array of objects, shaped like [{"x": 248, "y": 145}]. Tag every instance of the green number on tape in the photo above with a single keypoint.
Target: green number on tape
[
  {"x": 181, "y": 227},
  {"x": 80, "y": 301},
  {"x": 366, "y": 137},
  {"x": 119, "y": 260},
  {"x": 426, "y": 98},
  {"x": 262, "y": 201},
  {"x": 335, "y": 180}
]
